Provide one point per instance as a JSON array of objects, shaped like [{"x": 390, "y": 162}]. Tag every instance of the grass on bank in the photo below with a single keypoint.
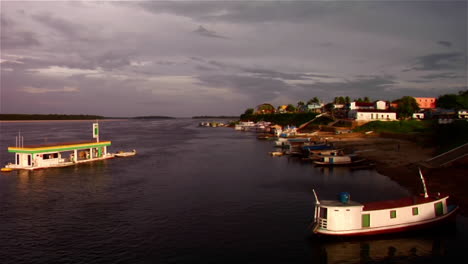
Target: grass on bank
[
  {"x": 443, "y": 137},
  {"x": 401, "y": 127}
]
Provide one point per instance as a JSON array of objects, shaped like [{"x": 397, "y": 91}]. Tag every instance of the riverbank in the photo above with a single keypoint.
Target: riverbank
[{"x": 398, "y": 159}]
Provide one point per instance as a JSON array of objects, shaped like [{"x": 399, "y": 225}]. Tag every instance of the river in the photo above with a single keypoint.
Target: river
[{"x": 191, "y": 195}]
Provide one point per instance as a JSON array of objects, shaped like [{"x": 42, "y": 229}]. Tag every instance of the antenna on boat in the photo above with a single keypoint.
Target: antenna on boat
[
  {"x": 96, "y": 131},
  {"x": 424, "y": 183},
  {"x": 316, "y": 198}
]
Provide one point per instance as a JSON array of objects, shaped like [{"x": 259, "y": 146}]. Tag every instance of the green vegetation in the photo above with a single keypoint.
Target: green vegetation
[
  {"x": 11, "y": 117},
  {"x": 295, "y": 119},
  {"x": 449, "y": 136},
  {"x": 220, "y": 117},
  {"x": 454, "y": 101},
  {"x": 402, "y": 126},
  {"x": 407, "y": 105}
]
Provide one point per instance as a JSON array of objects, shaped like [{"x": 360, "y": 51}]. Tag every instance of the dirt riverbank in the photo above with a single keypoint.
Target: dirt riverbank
[{"x": 398, "y": 159}]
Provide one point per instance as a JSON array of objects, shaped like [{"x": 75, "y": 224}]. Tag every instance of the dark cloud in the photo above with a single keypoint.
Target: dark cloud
[
  {"x": 444, "y": 75},
  {"x": 281, "y": 75},
  {"x": 64, "y": 27},
  {"x": 371, "y": 86},
  {"x": 255, "y": 87},
  {"x": 243, "y": 11},
  {"x": 440, "y": 61},
  {"x": 202, "y": 31},
  {"x": 13, "y": 37},
  {"x": 447, "y": 44}
]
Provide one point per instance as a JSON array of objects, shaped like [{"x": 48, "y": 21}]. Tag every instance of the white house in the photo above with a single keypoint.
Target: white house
[
  {"x": 372, "y": 115},
  {"x": 463, "y": 114},
  {"x": 418, "y": 115},
  {"x": 381, "y": 105}
]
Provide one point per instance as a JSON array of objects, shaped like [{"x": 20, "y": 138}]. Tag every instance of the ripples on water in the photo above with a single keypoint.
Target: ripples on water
[{"x": 191, "y": 195}]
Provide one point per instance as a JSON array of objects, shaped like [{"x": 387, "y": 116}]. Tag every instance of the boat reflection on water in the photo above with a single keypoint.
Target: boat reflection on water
[{"x": 412, "y": 248}]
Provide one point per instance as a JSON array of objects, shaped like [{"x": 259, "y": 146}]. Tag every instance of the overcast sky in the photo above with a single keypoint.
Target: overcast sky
[{"x": 186, "y": 58}]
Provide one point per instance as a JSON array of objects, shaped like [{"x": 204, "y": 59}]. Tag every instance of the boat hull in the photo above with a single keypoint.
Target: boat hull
[{"x": 441, "y": 220}]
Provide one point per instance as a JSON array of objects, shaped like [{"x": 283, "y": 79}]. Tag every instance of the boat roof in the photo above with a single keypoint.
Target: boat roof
[
  {"x": 57, "y": 147},
  {"x": 403, "y": 202},
  {"x": 336, "y": 203}
]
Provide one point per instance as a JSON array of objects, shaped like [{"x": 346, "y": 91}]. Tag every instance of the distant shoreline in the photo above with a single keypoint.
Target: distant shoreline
[{"x": 63, "y": 120}]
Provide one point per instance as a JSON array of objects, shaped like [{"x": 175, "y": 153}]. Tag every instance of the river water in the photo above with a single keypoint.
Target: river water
[{"x": 191, "y": 195}]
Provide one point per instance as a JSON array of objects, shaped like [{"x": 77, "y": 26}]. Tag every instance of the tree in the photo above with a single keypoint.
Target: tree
[
  {"x": 347, "y": 100},
  {"x": 366, "y": 99},
  {"x": 265, "y": 109},
  {"x": 407, "y": 105},
  {"x": 249, "y": 111},
  {"x": 453, "y": 101},
  {"x": 314, "y": 100},
  {"x": 291, "y": 108}
]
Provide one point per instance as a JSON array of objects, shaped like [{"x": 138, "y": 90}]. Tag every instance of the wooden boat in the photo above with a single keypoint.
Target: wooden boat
[
  {"x": 6, "y": 169},
  {"x": 344, "y": 160},
  {"x": 344, "y": 217},
  {"x": 319, "y": 146},
  {"x": 122, "y": 154},
  {"x": 276, "y": 153},
  {"x": 58, "y": 155}
]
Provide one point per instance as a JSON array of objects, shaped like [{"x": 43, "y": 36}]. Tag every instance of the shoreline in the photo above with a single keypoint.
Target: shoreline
[
  {"x": 58, "y": 120},
  {"x": 398, "y": 159}
]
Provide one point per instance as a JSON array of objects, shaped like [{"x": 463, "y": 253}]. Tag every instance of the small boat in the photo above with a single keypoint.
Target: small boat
[
  {"x": 122, "y": 154},
  {"x": 343, "y": 160},
  {"x": 344, "y": 217},
  {"x": 319, "y": 146},
  {"x": 276, "y": 153},
  {"x": 6, "y": 169}
]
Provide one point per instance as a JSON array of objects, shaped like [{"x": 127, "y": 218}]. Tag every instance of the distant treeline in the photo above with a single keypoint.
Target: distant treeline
[
  {"x": 11, "y": 117},
  {"x": 223, "y": 117},
  {"x": 153, "y": 117}
]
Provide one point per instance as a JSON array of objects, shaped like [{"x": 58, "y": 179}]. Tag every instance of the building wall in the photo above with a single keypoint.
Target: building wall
[
  {"x": 372, "y": 116},
  {"x": 426, "y": 102},
  {"x": 381, "y": 105}
]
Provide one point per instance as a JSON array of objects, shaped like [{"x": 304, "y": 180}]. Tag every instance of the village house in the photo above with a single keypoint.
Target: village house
[
  {"x": 372, "y": 115},
  {"x": 315, "y": 108},
  {"x": 426, "y": 102}
]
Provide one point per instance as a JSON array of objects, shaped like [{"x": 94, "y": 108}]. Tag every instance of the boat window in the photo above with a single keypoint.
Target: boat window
[
  {"x": 366, "y": 220},
  {"x": 393, "y": 214},
  {"x": 415, "y": 211},
  {"x": 323, "y": 212},
  {"x": 439, "y": 209}
]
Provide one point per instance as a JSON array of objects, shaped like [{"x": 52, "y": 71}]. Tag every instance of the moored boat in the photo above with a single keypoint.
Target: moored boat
[
  {"x": 344, "y": 160},
  {"x": 344, "y": 217},
  {"x": 122, "y": 154}
]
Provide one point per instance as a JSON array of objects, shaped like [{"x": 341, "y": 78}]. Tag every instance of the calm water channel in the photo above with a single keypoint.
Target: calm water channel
[{"x": 191, "y": 195}]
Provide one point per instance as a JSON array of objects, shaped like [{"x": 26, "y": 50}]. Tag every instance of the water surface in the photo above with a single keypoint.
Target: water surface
[{"x": 191, "y": 195}]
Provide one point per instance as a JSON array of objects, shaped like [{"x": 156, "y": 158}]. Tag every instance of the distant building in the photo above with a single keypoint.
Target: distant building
[
  {"x": 463, "y": 114},
  {"x": 315, "y": 108},
  {"x": 426, "y": 102},
  {"x": 418, "y": 116},
  {"x": 361, "y": 105},
  {"x": 381, "y": 105},
  {"x": 372, "y": 115}
]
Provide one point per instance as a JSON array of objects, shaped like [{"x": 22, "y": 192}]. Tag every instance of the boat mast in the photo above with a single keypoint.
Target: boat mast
[
  {"x": 316, "y": 198},
  {"x": 424, "y": 183}
]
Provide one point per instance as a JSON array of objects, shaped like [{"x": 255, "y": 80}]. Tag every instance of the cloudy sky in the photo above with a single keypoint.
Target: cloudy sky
[{"x": 186, "y": 58}]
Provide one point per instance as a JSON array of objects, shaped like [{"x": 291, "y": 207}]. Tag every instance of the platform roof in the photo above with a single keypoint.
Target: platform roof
[{"x": 58, "y": 147}]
